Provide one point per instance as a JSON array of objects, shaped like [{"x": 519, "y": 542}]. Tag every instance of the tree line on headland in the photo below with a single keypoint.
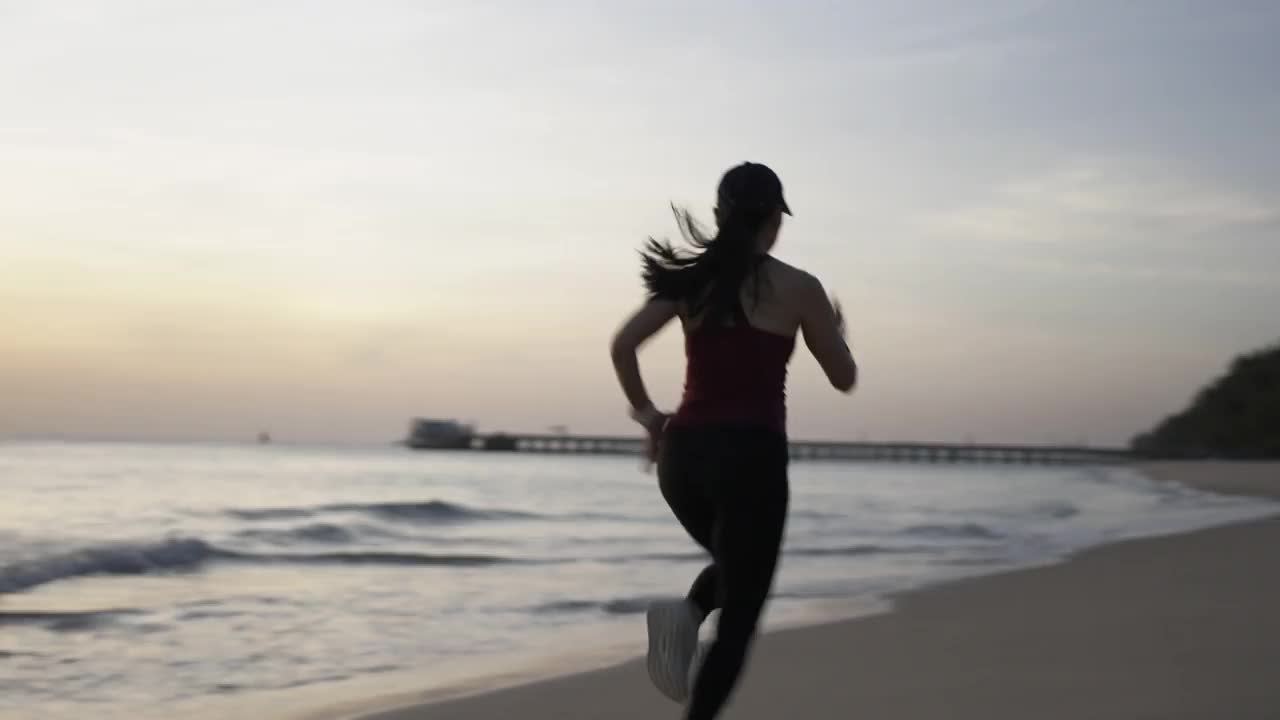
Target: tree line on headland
[{"x": 1236, "y": 417}]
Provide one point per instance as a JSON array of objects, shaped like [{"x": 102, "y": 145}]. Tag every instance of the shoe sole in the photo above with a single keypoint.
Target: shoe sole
[{"x": 667, "y": 646}]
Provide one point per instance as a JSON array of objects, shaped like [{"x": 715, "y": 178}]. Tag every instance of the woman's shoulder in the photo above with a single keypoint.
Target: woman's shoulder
[{"x": 789, "y": 277}]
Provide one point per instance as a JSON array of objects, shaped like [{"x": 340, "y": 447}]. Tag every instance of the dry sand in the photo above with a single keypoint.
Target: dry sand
[{"x": 1172, "y": 627}]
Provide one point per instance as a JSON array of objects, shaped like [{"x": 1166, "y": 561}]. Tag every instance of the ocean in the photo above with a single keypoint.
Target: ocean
[{"x": 150, "y": 580}]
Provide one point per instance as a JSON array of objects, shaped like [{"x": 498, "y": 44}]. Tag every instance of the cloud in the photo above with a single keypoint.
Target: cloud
[
  {"x": 1113, "y": 216},
  {"x": 1076, "y": 201}
]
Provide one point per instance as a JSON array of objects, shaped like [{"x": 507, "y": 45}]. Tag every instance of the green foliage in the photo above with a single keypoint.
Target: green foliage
[{"x": 1236, "y": 417}]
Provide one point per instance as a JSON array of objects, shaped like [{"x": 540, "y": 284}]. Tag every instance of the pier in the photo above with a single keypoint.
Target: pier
[{"x": 816, "y": 450}]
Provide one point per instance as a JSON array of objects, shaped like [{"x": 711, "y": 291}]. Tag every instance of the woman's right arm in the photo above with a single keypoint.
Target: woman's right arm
[{"x": 823, "y": 329}]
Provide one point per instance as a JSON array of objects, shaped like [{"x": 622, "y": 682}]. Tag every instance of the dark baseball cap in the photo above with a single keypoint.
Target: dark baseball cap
[{"x": 752, "y": 185}]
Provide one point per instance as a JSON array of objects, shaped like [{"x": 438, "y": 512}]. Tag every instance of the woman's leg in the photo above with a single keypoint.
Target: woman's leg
[
  {"x": 704, "y": 593},
  {"x": 673, "y": 625},
  {"x": 677, "y": 478},
  {"x": 751, "y": 510}
]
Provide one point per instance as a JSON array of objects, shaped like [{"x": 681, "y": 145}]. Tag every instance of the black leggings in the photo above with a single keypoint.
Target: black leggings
[{"x": 728, "y": 487}]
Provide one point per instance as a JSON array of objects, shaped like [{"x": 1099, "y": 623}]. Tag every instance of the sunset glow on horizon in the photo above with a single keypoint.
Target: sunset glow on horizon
[{"x": 1047, "y": 221}]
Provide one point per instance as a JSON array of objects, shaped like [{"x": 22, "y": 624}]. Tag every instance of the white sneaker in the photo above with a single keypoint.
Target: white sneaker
[{"x": 673, "y": 638}]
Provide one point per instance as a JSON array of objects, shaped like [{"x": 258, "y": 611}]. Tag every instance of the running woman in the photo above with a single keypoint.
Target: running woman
[{"x": 722, "y": 455}]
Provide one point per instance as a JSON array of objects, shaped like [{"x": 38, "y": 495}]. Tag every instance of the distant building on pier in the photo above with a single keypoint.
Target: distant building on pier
[{"x": 434, "y": 434}]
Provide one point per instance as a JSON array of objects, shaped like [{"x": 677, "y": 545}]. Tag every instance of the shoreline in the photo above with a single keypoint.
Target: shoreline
[
  {"x": 379, "y": 696},
  {"x": 554, "y": 680}
]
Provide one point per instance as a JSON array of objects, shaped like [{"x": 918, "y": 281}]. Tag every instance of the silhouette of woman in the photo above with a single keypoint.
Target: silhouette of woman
[{"x": 723, "y": 455}]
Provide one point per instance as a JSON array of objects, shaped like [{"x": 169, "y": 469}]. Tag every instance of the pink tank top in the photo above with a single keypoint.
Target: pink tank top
[{"x": 735, "y": 375}]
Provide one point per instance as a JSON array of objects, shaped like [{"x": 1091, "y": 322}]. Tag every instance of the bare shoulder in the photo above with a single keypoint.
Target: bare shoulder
[{"x": 792, "y": 281}]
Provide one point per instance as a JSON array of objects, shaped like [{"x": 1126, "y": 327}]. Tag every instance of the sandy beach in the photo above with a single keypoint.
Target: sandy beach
[{"x": 1172, "y": 627}]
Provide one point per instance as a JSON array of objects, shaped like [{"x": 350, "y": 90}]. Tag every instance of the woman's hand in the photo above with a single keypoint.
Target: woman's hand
[{"x": 654, "y": 422}]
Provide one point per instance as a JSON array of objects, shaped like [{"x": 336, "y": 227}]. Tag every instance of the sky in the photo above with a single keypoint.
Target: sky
[{"x": 1047, "y": 221}]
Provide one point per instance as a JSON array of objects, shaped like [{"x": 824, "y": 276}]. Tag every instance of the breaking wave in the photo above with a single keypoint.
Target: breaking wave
[{"x": 176, "y": 555}]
